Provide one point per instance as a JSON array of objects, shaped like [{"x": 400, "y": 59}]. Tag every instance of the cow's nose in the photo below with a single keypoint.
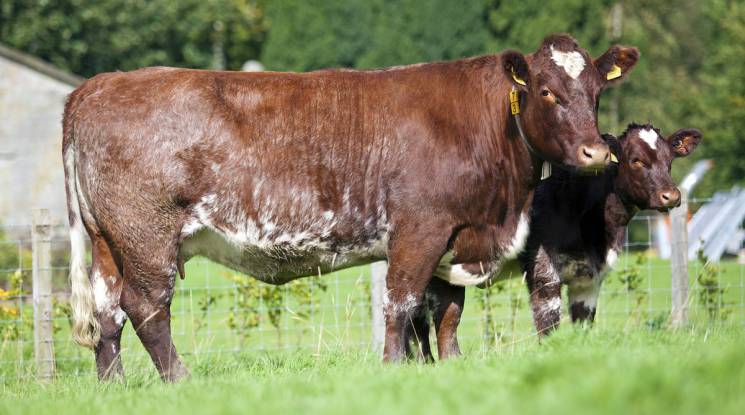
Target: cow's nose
[
  {"x": 593, "y": 156},
  {"x": 670, "y": 197}
]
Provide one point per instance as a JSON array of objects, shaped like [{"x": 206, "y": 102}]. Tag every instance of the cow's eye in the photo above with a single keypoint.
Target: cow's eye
[{"x": 548, "y": 96}]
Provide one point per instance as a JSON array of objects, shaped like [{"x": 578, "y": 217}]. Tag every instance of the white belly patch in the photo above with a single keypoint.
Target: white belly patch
[{"x": 269, "y": 251}]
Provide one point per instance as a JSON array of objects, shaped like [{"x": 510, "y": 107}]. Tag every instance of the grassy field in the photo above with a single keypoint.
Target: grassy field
[
  {"x": 575, "y": 371},
  {"x": 212, "y": 318},
  {"x": 313, "y": 355}
]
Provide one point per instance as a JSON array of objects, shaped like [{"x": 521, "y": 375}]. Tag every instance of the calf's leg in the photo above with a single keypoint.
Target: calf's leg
[
  {"x": 583, "y": 299},
  {"x": 544, "y": 288},
  {"x": 417, "y": 336},
  {"x": 447, "y": 308}
]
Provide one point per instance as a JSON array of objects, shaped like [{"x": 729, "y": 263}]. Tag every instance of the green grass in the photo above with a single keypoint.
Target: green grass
[
  {"x": 574, "y": 371},
  {"x": 338, "y": 319}
]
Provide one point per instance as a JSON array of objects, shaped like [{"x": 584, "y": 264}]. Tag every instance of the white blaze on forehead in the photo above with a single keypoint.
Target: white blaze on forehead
[
  {"x": 650, "y": 137},
  {"x": 573, "y": 62}
]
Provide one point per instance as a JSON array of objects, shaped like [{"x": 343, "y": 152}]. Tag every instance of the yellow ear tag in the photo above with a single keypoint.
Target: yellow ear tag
[
  {"x": 518, "y": 80},
  {"x": 514, "y": 102},
  {"x": 613, "y": 158},
  {"x": 614, "y": 73}
]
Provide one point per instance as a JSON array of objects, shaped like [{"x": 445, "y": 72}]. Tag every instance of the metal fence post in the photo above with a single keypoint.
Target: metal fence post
[
  {"x": 41, "y": 249},
  {"x": 679, "y": 262},
  {"x": 378, "y": 271}
]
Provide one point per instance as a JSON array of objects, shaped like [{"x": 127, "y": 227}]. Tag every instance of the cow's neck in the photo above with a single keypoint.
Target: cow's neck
[{"x": 527, "y": 157}]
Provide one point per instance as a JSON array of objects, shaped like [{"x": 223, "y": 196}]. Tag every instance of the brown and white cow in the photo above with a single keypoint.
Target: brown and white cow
[
  {"x": 284, "y": 175},
  {"x": 578, "y": 227}
]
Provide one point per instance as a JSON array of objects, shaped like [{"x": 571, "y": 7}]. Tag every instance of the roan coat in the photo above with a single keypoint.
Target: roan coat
[{"x": 284, "y": 175}]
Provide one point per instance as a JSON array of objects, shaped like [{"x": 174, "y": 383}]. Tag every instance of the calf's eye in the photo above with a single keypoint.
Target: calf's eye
[{"x": 638, "y": 163}]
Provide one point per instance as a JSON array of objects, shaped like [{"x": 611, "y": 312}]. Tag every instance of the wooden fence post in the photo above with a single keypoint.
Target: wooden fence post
[
  {"x": 378, "y": 271},
  {"x": 679, "y": 262},
  {"x": 41, "y": 249}
]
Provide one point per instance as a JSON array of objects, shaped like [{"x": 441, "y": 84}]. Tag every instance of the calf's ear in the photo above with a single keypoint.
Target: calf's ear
[
  {"x": 516, "y": 69},
  {"x": 615, "y": 63},
  {"x": 684, "y": 141}
]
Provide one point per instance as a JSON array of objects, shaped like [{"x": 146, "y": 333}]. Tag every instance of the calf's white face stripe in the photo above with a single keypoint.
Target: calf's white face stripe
[
  {"x": 573, "y": 62},
  {"x": 650, "y": 137}
]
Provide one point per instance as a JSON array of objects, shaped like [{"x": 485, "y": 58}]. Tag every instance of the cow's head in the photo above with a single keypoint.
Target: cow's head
[
  {"x": 644, "y": 161},
  {"x": 559, "y": 87}
]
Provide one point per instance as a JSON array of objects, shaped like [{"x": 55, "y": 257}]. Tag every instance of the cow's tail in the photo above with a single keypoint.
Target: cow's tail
[{"x": 86, "y": 330}]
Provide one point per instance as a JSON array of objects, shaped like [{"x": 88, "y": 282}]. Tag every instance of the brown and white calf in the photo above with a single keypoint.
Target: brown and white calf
[
  {"x": 578, "y": 227},
  {"x": 285, "y": 175}
]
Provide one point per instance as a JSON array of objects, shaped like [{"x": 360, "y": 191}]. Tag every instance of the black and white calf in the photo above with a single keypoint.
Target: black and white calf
[
  {"x": 577, "y": 229},
  {"x": 578, "y": 223}
]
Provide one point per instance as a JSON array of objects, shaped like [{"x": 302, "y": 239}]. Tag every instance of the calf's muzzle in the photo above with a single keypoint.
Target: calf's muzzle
[{"x": 670, "y": 198}]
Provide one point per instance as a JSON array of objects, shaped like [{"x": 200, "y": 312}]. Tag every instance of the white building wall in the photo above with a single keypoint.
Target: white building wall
[{"x": 31, "y": 106}]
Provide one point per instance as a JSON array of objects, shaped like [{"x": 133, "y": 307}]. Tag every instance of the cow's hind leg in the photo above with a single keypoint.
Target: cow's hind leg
[
  {"x": 106, "y": 281},
  {"x": 544, "y": 287},
  {"x": 146, "y": 298},
  {"x": 413, "y": 257},
  {"x": 583, "y": 299}
]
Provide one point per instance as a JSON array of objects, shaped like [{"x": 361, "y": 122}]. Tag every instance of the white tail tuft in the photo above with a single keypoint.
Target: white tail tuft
[{"x": 86, "y": 330}]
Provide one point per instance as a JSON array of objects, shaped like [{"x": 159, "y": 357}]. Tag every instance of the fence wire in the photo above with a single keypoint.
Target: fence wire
[{"x": 219, "y": 312}]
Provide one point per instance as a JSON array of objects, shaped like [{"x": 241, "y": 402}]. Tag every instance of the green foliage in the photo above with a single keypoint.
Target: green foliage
[
  {"x": 254, "y": 297},
  {"x": 14, "y": 322},
  {"x": 710, "y": 294},
  {"x": 318, "y": 34},
  {"x": 509, "y": 292},
  {"x": 720, "y": 99},
  {"x": 92, "y": 36},
  {"x": 630, "y": 278},
  {"x": 522, "y": 24},
  {"x": 411, "y": 31}
]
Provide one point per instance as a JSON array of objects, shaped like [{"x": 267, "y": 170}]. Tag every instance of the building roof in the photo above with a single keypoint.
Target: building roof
[
  {"x": 715, "y": 227},
  {"x": 39, "y": 65}
]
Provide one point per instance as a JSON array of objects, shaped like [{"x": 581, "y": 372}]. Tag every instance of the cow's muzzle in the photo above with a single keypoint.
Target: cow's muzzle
[{"x": 593, "y": 157}]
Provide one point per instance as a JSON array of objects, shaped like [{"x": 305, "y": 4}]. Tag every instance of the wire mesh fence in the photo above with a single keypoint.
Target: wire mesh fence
[{"x": 217, "y": 311}]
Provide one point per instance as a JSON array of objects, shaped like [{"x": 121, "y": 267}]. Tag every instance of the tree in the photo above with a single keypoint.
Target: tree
[
  {"x": 318, "y": 34},
  {"x": 91, "y": 36},
  {"x": 411, "y": 31},
  {"x": 719, "y": 104}
]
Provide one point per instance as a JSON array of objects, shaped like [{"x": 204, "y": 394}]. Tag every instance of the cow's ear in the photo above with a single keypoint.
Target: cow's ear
[
  {"x": 614, "y": 145},
  {"x": 616, "y": 63},
  {"x": 516, "y": 69},
  {"x": 684, "y": 141}
]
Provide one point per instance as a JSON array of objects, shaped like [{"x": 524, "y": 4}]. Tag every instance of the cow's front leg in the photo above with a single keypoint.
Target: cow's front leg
[
  {"x": 583, "y": 300},
  {"x": 544, "y": 287},
  {"x": 413, "y": 256}
]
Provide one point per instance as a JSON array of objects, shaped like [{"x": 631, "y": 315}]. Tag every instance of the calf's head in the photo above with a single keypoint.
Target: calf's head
[
  {"x": 559, "y": 87},
  {"x": 644, "y": 162}
]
